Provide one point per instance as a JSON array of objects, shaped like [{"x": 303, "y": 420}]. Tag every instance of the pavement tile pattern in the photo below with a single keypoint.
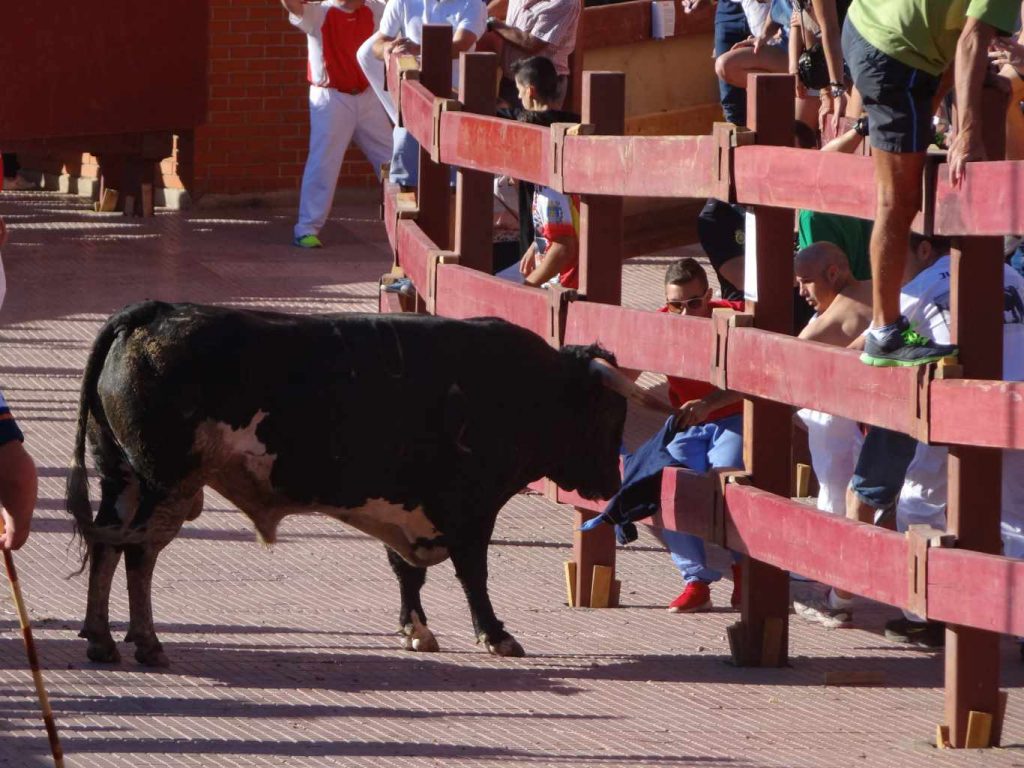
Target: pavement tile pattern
[{"x": 288, "y": 656}]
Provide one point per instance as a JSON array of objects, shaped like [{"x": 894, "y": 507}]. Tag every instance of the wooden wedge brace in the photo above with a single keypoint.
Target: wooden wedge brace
[
  {"x": 434, "y": 259},
  {"x": 601, "y": 586},
  {"x": 920, "y": 539},
  {"x": 440, "y": 107},
  {"x": 559, "y": 132},
  {"x": 979, "y": 730},
  {"x": 570, "y": 583}
]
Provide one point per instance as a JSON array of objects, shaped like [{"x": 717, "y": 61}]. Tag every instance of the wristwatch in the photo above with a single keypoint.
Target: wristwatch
[
  {"x": 861, "y": 126},
  {"x": 490, "y": 21},
  {"x": 837, "y": 89}
]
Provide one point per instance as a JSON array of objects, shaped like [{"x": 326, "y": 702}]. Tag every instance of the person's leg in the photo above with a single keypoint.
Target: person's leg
[
  {"x": 405, "y": 159},
  {"x": 726, "y": 452},
  {"x": 332, "y": 119},
  {"x": 731, "y": 28},
  {"x": 734, "y": 66},
  {"x": 373, "y": 131}
]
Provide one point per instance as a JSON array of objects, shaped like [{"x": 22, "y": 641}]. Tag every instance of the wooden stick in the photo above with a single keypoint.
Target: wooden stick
[{"x": 33, "y": 661}]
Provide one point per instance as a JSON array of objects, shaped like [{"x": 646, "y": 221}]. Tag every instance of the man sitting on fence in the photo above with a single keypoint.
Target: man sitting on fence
[
  {"x": 705, "y": 434},
  {"x": 842, "y": 312},
  {"x": 917, "y": 472}
]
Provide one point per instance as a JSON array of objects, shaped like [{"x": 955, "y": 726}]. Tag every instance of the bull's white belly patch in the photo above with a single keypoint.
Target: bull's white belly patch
[
  {"x": 227, "y": 445},
  {"x": 407, "y": 531}
]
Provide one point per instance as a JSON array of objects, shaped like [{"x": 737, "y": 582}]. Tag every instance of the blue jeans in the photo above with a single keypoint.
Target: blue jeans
[
  {"x": 731, "y": 28},
  {"x": 712, "y": 445},
  {"x": 405, "y": 158},
  {"x": 882, "y": 467}
]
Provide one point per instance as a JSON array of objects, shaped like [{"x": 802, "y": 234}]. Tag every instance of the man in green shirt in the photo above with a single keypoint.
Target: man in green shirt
[{"x": 897, "y": 51}]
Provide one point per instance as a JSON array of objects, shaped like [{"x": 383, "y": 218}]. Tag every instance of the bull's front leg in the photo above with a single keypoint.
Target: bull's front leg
[
  {"x": 139, "y": 561},
  {"x": 470, "y": 563},
  {"x": 412, "y": 620},
  {"x": 96, "y": 629}
]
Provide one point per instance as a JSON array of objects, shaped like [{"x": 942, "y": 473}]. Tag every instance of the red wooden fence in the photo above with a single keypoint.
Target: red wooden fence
[{"x": 975, "y": 591}]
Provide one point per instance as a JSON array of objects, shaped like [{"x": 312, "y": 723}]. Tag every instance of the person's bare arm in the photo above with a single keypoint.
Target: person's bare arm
[
  {"x": 697, "y": 411},
  {"x": 845, "y": 142},
  {"x": 462, "y": 41},
  {"x": 518, "y": 37},
  {"x": 294, "y": 7},
  {"x": 971, "y": 64},
  {"x": 831, "y": 42},
  {"x": 497, "y": 8},
  {"x": 18, "y": 491},
  {"x": 559, "y": 254}
]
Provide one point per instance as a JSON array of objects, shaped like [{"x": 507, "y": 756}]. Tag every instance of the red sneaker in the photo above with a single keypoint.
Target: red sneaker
[
  {"x": 737, "y": 581},
  {"x": 696, "y": 597}
]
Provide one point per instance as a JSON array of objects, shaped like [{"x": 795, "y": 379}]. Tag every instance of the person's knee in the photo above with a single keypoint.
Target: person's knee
[{"x": 722, "y": 68}]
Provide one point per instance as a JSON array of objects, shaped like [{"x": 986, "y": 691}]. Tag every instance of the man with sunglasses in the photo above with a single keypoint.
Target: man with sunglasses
[{"x": 709, "y": 434}]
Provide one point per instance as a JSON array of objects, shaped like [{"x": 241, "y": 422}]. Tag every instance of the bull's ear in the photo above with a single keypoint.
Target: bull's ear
[{"x": 456, "y": 418}]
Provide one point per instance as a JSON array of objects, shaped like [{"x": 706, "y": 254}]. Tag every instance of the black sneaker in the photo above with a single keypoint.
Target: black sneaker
[
  {"x": 902, "y": 347},
  {"x": 930, "y": 634}
]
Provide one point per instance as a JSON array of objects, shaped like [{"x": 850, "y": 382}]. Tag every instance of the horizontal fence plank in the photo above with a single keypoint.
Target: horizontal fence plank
[
  {"x": 785, "y": 177},
  {"x": 812, "y": 375},
  {"x": 463, "y": 293},
  {"x": 959, "y": 406},
  {"x": 418, "y": 112},
  {"x": 641, "y": 166},
  {"x": 412, "y": 247},
  {"x": 862, "y": 558},
  {"x": 976, "y": 590},
  {"x": 496, "y": 145},
  {"x": 650, "y": 341},
  {"x": 990, "y": 201}
]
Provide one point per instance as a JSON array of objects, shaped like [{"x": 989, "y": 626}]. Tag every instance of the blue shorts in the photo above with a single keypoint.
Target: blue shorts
[
  {"x": 9, "y": 430},
  {"x": 897, "y": 97},
  {"x": 882, "y": 467}
]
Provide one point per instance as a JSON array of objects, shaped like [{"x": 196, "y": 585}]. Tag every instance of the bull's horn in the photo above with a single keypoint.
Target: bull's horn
[{"x": 617, "y": 381}]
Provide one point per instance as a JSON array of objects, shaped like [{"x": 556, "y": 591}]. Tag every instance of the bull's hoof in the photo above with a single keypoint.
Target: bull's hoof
[
  {"x": 103, "y": 652},
  {"x": 151, "y": 656},
  {"x": 506, "y": 647},
  {"x": 416, "y": 636}
]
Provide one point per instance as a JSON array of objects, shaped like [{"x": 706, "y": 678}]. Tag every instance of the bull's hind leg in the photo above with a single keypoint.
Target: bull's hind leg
[
  {"x": 412, "y": 620},
  {"x": 471, "y": 568},
  {"x": 140, "y": 560},
  {"x": 102, "y": 564}
]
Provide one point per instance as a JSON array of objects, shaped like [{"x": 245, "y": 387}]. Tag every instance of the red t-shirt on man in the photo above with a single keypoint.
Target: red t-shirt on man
[{"x": 684, "y": 390}]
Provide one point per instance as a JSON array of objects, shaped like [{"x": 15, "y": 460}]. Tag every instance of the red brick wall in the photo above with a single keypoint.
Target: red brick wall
[{"x": 257, "y": 131}]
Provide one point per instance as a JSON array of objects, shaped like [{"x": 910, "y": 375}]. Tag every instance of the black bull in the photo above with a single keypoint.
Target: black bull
[{"x": 416, "y": 430}]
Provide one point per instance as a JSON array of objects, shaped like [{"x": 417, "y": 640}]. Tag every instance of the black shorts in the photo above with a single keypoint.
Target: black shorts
[
  {"x": 897, "y": 98},
  {"x": 9, "y": 430}
]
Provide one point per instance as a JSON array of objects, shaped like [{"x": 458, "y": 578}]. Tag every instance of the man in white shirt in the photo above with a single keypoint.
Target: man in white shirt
[
  {"x": 341, "y": 104},
  {"x": 401, "y": 32}
]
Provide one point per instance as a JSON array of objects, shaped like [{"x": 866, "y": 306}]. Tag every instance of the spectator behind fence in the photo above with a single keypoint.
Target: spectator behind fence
[
  {"x": 552, "y": 256},
  {"x": 18, "y": 482},
  {"x": 401, "y": 32},
  {"x": 341, "y": 104},
  {"x": 721, "y": 229},
  {"x": 534, "y": 28},
  {"x": 897, "y": 51},
  {"x": 734, "y": 20},
  {"x": 705, "y": 434},
  {"x": 920, "y": 480},
  {"x": 842, "y": 311}
]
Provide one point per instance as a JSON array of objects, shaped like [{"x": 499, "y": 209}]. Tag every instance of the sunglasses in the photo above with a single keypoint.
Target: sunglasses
[{"x": 677, "y": 307}]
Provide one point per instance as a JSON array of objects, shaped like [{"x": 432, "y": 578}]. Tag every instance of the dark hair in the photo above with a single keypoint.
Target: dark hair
[
  {"x": 685, "y": 271},
  {"x": 540, "y": 73},
  {"x": 942, "y": 245},
  {"x": 806, "y": 137}
]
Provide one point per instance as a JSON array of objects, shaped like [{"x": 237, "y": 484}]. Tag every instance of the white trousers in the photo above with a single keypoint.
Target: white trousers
[
  {"x": 336, "y": 118},
  {"x": 835, "y": 445}
]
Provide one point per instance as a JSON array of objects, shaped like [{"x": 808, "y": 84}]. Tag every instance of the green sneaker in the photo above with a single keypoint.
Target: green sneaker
[
  {"x": 903, "y": 346},
  {"x": 308, "y": 241}
]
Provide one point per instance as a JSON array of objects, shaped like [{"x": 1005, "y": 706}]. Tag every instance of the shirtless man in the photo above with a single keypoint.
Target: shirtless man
[{"x": 842, "y": 306}]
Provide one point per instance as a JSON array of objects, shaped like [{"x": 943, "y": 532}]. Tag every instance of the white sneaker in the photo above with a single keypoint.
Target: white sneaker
[{"x": 829, "y": 610}]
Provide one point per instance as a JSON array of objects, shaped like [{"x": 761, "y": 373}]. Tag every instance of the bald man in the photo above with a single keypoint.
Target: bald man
[{"x": 842, "y": 306}]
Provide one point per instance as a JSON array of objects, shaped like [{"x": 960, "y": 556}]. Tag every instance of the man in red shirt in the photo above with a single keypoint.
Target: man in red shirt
[
  {"x": 342, "y": 106},
  {"x": 709, "y": 434}
]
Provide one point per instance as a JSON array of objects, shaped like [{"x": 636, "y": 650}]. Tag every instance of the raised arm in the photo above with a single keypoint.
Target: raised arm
[{"x": 293, "y": 7}]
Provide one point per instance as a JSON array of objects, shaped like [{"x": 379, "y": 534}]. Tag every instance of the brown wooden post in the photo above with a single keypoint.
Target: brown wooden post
[
  {"x": 973, "y": 514},
  {"x": 434, "y": 194},
  {"x": 767, "y": 425},
  {"x": 604, "y": 106},
  {"x": 474, "y": 190}
]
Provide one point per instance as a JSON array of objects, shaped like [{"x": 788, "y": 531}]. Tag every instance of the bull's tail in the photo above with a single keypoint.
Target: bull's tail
[{"x": 77, "y": 501}]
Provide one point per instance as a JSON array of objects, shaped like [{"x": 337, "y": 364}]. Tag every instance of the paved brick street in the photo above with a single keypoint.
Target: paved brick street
[{"x": 288, "y": 656}]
